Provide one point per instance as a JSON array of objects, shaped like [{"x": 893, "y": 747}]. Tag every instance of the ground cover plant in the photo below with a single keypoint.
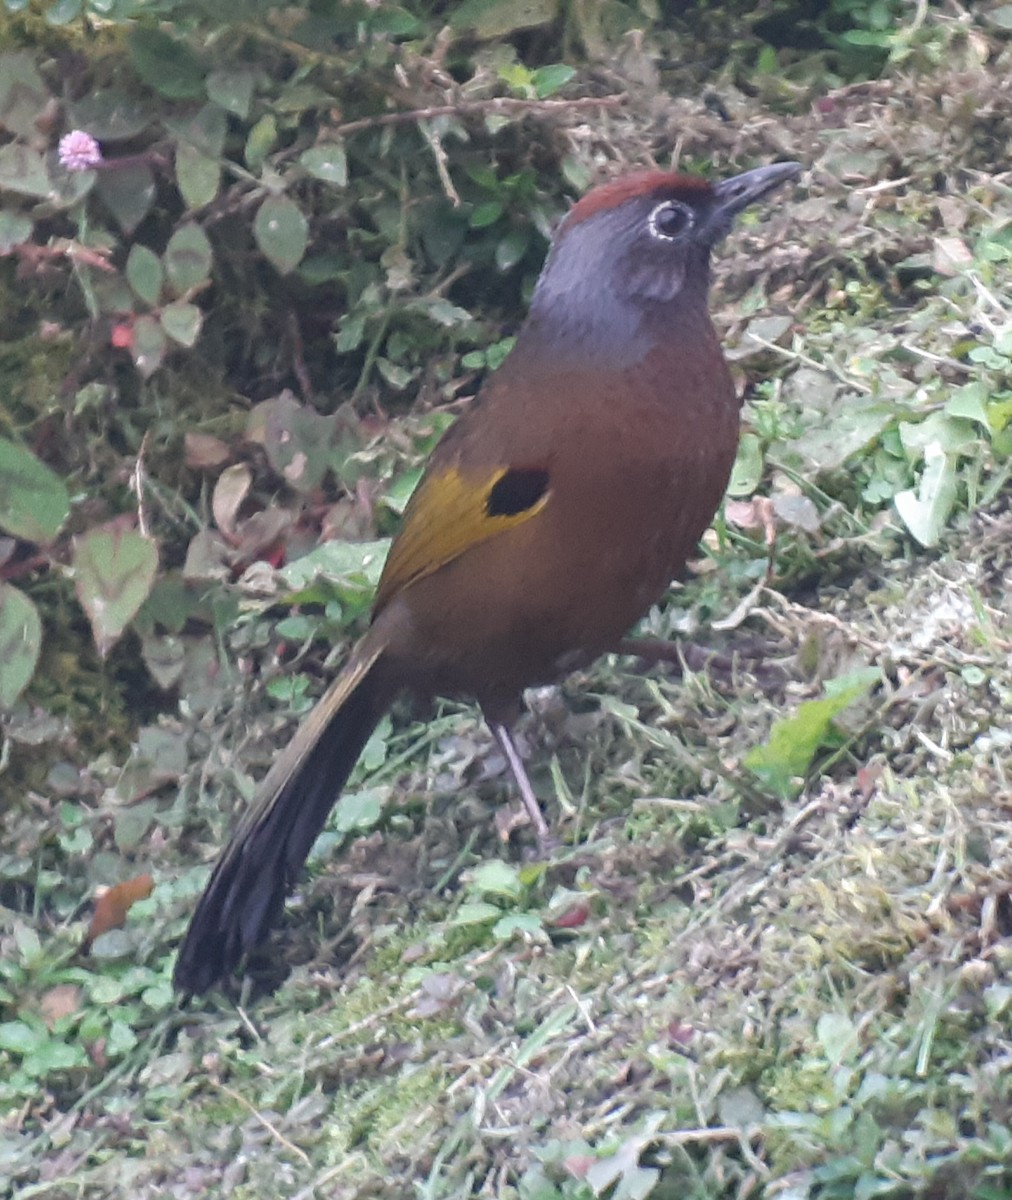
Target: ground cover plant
[{"x": 251, "y": 263}]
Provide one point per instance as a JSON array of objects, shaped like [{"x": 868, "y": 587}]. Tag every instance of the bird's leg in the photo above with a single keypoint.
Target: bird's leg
[{"x": 504, "y": 736}]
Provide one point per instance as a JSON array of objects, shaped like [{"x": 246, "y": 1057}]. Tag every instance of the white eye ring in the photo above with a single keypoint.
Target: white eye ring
[{"x": 670, "y": 208}]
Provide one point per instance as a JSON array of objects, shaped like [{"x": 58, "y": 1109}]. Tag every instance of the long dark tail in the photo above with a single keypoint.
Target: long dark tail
[{"x": 265, "y": 855}]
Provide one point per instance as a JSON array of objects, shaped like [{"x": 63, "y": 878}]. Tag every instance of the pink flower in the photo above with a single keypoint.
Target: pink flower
[{"x": 78, "y": 151}]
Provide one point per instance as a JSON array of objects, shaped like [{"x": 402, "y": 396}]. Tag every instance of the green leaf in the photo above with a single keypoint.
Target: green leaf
[
  {"x": 15, "y": 230},
  {"x": 490, "y": 19},
  {"x": 128, "y": 193},
  {"x": 205, "y": 130},
  {"x": 233, "y": 90},
  {"x": 970, "y": 404},
  {"x": 828, "y": 444},
  {"x": 63, "y": 12},
  {"x": 393, "y": 20},
  {"x": 496, "y": 877},
  {"x": 133, "y": 821},
  {"x": 300, "y": 442},
  {"x": 548, "y": 80},
  {"x": 440, "y": 310},
  {"x": 20, "y": 643},
  {"x": 282, "y": 232},
  {"x": 144, "y": 272},
  {"x": 148, "y": 345},
  {"x": 926, "y": 511},
  {"x": 114, "y": 569},
  {"x": 512, "y": 923},
  {"x": 748, "y": 466},
  {"x": 486, "y": 214},
  {"x": 261, "y": 141},
  {"x": 476, "y": 913},
  {"x": 182, "y": 322},
  {"x": 351, "y": 333},
  {"x": 69, "y": 187},
  {"x": 198, "y": 176},
  {"x": 33, "y": 499},
  {"x": 21, "y": 1038},
  {"x": 838, "y": 1037},
  {"x": 397, "y": 376},
  {"x": 109, "y": 115},
  {"x": 338, "y": 562},
  {"x": 512, "y": 248},
  {"x": 200, "y": 141},
  {"x": 166, "y": 64},
  {"x": 793, "y": 742},
  {"x": 939, "y": 433},
  {"x": 328, "y": 162},
  {"x": 356, "y": 811},
  {"x": 23, "y": 170},
  {"x": 187, "y": 259},
  {"x": 23, "y": 94},
  {"x": 496, "y": 354}
]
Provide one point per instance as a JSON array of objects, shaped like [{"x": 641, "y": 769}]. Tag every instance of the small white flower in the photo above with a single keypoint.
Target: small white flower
[{"x": 78, "y": 151}]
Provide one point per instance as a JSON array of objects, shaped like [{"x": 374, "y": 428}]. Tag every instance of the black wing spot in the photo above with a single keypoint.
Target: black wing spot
[{"x": 516, "y": 491}]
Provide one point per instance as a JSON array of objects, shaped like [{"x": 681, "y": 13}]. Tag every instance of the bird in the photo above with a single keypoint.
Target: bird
[{"x": 549, "y": 518}]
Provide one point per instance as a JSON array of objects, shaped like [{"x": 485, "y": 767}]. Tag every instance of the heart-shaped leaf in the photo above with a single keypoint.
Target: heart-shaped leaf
[
  {"x": 182, "y": 321},
  {"x": 128, "y": 193},
  {"x": 114, "y": 568},
  {"x": 300, "y": 442},
  {"x": 233, "y": 90}
]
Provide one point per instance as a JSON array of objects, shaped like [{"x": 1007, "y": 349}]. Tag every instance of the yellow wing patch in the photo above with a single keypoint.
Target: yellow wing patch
[{"x": 450, "y": 512}]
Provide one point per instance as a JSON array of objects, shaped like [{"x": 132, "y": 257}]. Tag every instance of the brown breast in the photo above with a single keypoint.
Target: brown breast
[{"x": 638, "y": 460}]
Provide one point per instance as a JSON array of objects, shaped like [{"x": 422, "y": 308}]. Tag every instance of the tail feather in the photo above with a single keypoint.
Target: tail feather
[{"x": 265, "y": 854}]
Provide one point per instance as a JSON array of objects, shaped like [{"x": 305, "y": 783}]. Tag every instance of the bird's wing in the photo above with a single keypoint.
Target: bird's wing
[{"x": 453, "y": 509}]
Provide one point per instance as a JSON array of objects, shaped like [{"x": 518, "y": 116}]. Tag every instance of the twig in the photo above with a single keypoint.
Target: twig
[
  {"x": 439, "y": 154},
  {"x": 798, "y": 356},
  {"x": 271, "y": 1128},
  {"x": 497, "y": 104}
]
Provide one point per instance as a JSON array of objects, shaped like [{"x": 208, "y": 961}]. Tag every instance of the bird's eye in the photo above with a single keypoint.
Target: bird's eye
[{"x": 670, "y": 219}]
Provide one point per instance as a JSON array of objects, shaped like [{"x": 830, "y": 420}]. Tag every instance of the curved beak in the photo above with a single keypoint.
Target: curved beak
[{"x": 738, "y": 192}]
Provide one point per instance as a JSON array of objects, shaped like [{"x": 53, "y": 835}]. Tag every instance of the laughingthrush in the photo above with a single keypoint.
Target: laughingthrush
[{"x": 549, "y": 519}]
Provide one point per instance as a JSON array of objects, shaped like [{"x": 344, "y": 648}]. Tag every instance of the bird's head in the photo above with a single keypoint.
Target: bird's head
[{"x": 642, "y": 241}]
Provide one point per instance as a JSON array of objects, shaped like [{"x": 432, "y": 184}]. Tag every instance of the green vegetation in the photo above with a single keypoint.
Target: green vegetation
[{"x": 771, "y": 957}]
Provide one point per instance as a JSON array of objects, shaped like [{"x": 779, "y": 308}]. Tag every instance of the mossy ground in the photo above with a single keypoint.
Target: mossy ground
[{"x": 710, "y": 991}]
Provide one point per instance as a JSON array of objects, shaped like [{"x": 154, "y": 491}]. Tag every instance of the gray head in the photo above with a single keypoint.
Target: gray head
[{"x": 641, "y": 242}]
